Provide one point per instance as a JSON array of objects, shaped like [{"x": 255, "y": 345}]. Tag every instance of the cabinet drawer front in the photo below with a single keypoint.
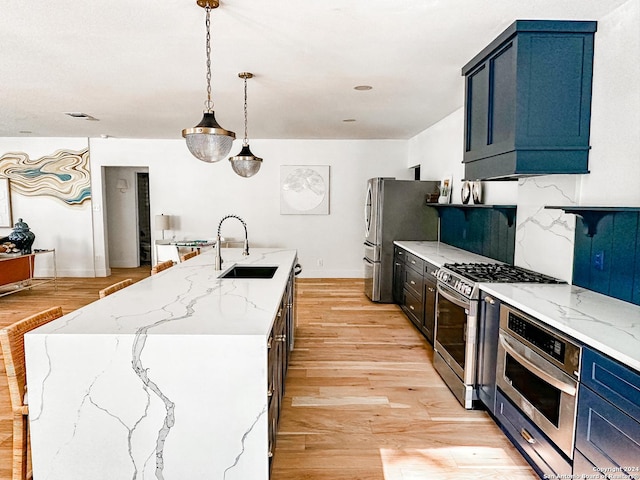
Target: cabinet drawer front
[
  {"x": 399, "y": 252},
  {"x": 605, "y": 435},
  {"x": 539, "y": 451},
  {"x": 413, "y": 281},
  {"x": 413, "y": 307},
  {"x": 414, "y": 262},
  {"x": 613, "y": 381}
]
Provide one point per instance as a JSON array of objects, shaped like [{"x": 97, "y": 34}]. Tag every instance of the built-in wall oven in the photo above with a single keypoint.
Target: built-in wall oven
[{"x": 537, "y": 370}]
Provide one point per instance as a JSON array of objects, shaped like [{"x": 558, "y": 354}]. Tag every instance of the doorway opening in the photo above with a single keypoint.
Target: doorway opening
[{"x": 144, "y": 218}]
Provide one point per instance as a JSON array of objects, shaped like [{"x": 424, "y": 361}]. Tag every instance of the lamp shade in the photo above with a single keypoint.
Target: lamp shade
[
  {"x": 245, "y": 164},
  {"x": 163, "y": 222},
  {"x": 208, "y": 141}
]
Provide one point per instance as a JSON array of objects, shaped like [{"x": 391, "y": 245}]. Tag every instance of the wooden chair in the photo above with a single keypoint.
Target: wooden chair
[
  {"x": 187, "y": 256},
  {"x": 12, "y": 341},
  {"x": 161, "y": 266},
  {"x": 115, "y": 287}
]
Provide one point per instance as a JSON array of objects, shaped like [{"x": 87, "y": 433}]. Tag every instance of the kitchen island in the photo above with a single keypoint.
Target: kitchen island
[{"x": 170, "y": 378}]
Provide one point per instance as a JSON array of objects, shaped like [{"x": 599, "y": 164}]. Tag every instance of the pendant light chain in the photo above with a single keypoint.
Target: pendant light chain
[
  {"x": 246, "y": 136},
  {"x": 208, "y": 103}
]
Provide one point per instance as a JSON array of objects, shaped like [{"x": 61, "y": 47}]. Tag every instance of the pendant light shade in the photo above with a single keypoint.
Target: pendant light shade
[
  {"x": 245, "y": 164},
  {"x": 208, "y": 141}
]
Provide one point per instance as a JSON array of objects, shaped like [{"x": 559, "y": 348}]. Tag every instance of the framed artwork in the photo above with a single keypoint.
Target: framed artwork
[
  {"x": 445, "y": 189},
  {"x": 5, "y": 204},
  {"x": 304, "y": 190}
]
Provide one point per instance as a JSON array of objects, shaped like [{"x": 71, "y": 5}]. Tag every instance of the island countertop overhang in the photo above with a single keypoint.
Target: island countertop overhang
[{"x": 188, "y": 299}]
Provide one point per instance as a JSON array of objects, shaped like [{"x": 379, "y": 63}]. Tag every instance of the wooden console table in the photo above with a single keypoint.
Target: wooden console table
[{"x": 17, "y": 271}]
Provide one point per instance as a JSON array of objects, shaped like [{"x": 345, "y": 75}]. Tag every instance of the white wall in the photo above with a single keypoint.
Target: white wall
[
  {"x": 198, "y": 195},
  {"x": 67, "y": 228},
  {"x": 544, "y": 238}
]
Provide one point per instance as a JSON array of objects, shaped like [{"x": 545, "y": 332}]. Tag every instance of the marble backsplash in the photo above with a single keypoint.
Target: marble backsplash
[{"x": 544, "y": 237}]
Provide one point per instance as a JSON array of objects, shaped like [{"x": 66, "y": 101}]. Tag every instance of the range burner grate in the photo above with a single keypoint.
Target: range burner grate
[{"x": 499, "y": 273}]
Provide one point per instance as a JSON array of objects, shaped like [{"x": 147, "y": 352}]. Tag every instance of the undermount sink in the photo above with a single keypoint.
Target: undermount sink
[{"x": 250, "y": 271}]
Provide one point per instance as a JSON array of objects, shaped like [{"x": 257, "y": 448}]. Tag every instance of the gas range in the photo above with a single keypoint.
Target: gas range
[{"x": 464, "y": 277}]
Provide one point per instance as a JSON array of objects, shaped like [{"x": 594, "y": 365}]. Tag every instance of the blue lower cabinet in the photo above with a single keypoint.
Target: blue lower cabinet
[
  {"x": 531, "y": 442},
  {"x": 607, "y": 437},
  {"x": 608, "y": 427}
]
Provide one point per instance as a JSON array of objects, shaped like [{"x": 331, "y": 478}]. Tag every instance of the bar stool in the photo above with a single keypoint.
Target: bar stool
[
  {"x": 115, "y": 287},
  {"x": 161, "y": 266},
  {"x": 188, "y": 255},
  {"x": 12, "y": 341}
]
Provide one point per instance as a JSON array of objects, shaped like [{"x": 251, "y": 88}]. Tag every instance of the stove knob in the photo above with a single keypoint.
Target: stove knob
[{"x": 468, "y": 290}]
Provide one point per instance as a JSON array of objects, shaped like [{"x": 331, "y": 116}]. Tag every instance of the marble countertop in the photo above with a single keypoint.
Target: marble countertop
[
  {"x": 438, "y": 253},
  {"x": 605, "y": 323},
  {"x": 188, "y": 299}
]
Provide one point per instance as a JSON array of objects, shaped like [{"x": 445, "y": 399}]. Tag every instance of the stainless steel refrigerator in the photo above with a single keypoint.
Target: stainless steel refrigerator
[{"x": 394, "y": 210}]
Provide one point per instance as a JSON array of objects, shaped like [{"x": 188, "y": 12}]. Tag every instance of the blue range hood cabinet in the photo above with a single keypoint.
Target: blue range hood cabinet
[{"x": 528, "y": 101}]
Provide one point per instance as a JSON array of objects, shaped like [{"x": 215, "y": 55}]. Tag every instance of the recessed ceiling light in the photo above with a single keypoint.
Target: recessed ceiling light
[
  {"x": 349, "y": 120},
  {"x": 363, "y": 87},
  {"x": 81, "y": 115}
]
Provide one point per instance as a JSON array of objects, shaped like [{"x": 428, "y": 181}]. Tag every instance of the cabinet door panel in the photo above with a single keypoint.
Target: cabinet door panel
[
  {"x": 503, "y": 96},
  {"x": 605, "y": 435},
  {"x": 477, "y": 110}
]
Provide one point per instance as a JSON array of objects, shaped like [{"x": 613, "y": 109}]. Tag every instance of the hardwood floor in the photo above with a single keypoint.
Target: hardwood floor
[{"x": 362, "y": 399}]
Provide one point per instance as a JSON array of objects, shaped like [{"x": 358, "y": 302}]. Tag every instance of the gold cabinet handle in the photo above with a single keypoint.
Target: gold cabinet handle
[
  {"x": 411, "y": 307},
  {"x": 412, "y": 282},
  {"x": 489, "y": 300},
  {"x": 527, "y": 436}
]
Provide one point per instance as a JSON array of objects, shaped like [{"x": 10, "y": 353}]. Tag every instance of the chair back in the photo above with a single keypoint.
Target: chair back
[
  {"x": 188, "y": 255},
  {"x": 115, "y": 287},
  {"x": 12, "y": 340},
  {"x": 161, "y": 266}
]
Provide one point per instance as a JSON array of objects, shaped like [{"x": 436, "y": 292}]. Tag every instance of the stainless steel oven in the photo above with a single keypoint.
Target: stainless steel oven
[
  {"x": 455, "y": 338},
  {"x": 537, "y": 370},
  {"x": 457, "y": 320}
]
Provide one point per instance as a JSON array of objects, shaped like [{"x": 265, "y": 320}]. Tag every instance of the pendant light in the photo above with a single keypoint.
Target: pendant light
[
  {"x": 245, "y": 164},
  {"x": 208, "y": 141}
]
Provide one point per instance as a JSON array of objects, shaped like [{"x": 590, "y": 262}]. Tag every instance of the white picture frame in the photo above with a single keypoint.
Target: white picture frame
[
  {"x": 304, "y": 189},
  {"x": 446, "y": 185},
  {"x": 5, "y": 204}
]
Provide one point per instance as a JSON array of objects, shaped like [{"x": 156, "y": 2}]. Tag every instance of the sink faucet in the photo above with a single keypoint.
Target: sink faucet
[{"x": 245, "y": 251}]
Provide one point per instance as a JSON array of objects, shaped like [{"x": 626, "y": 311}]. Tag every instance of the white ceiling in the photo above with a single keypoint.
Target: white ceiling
[{"x": 139, "y": 66}]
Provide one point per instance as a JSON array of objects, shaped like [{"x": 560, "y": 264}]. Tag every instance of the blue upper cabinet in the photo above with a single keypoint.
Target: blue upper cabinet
[{"x": 528, "y": 101}]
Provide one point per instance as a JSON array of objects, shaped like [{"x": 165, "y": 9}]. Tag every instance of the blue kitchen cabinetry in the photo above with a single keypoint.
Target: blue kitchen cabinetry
[
  {"x": 608, "y": 427},
  {"x": 528, "y": 101},
  {"x": 414, "y": 289}
]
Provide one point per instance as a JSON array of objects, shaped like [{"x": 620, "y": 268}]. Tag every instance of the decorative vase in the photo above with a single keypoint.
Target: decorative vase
[{"x": 22, "y": 236}]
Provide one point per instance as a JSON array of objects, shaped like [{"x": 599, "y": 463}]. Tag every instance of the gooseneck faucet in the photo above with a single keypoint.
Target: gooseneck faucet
[{"x": 245, "y": 251}]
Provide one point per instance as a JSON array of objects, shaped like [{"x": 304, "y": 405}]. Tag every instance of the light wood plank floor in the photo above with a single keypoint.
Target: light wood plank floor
[{"x": 362, "y": 399}]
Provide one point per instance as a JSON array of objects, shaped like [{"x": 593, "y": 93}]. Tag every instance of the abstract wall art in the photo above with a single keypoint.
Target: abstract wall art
[
  {"x": 63, "y": 175},
  {"x": 304, "y": 189}
]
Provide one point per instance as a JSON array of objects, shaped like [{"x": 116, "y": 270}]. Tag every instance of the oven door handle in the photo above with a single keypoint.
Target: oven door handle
[
  {"x": 561, "y": 385},
  {"x": 453, "y": 299}
]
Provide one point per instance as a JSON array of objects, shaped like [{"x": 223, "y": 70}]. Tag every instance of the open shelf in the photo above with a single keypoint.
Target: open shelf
[
  {"x": 591, "y": 216},
  {"x": 509, "y": 211}
]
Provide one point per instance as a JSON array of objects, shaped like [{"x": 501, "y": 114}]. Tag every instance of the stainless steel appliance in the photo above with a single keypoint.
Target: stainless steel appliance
[
  {"x": 394, "y": 210},
  {"x": 457, "y": 320},
  {"x": 538, "y": 371}
]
